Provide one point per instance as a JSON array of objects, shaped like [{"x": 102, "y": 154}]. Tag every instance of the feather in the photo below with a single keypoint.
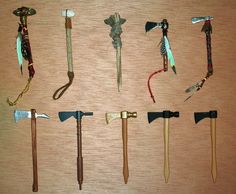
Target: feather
[
  {"x": 19, "y": 49},
  {"x": 169, "y": 52}
]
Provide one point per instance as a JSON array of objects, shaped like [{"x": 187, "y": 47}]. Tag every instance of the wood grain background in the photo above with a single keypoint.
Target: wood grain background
[{"x": 94, "y": 89}]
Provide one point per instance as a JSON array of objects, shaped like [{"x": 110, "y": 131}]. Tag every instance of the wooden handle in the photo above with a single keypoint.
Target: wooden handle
[
  {"x": 166, "y": 150},
  {"x": 79, "y": 158},
  {"x": 34, "y": 151},
  {"x": 213, "y": 151},
  {"x": 125, "y": 150}
]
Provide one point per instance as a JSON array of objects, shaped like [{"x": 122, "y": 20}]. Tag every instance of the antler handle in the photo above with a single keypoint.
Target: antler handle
[{"x": 125, "y": 150}]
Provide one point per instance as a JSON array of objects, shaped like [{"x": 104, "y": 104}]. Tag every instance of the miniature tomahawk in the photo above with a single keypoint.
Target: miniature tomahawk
[
  {"x": 78, "y": 116},
  {"x": 166, "y": 115},
  {"x": 165, "y": 50},
  {"x": 20, "y": 114},
  {"x": 23, "y": 48},
  {"x": 124, "y": 115},
  {"x": 198, "y": 116},
  {"x": 207, "y": 28}
]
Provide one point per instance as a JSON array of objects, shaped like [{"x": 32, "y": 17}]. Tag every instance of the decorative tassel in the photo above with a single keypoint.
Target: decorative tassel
[{"x": 19, "y": 50}]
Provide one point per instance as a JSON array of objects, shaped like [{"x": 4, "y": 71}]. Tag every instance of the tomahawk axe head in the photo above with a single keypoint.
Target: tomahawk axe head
[
  {"x": 68, "y": 13},
  {"x": 21, "y": 114},
  {"x": 200, "y": 19},
  {"x": 152, "y": 25},
  {"x": 110, "y": 116},
  {"x": 76, "y": 114},
  {"x": 165, "y": 114},
  {"x": 198, "y": 116},
  {"x": 24, "y": 11}
]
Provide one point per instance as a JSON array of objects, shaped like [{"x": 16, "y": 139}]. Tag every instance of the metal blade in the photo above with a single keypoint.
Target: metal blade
[
  {"x": 199, "y": 19},
  {"x": 20, "y": 114},
  {"x": 153, "y": 115},
  {"x": 110, "y": 116},
  {"x": 65, "y": 115}
]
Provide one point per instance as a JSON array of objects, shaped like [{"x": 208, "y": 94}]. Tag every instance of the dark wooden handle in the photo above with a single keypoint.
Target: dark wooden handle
[
  {"x": 209, "y": 58},
  {"x": 79, "y": 158},
  {"x": 125, "y": 150},
  {"x": 34, "y": 151}
]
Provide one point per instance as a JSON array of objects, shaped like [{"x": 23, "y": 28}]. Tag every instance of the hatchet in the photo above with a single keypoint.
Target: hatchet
[
  {"x": 20, "y": 114},
  {"x": 198, "y": 116},
  {"x": 78, "y": 116},
  {"x": 124, "y": 115},
  {"x": 166, "y": 115}
]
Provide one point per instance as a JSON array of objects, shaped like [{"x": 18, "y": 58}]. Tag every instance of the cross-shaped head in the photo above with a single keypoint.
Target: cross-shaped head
[
  {"x": 198, "y": 116},
  {"x": 76, "y": 114},
  {"x": 21, "y": 114},
  {"x": 165, "y": 114},
  {"x": 110, "y": 116}
]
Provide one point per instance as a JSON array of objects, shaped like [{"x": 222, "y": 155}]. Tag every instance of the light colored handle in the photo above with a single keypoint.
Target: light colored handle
[
  {"x": 166, "y": 149},
  {"x": 68, "y": 26},
  {"x": 125, "y": 150},
  {"x": 213, "y": 151},
  {"x": 34, "y": 154},
  {"x": 118, "y": 67}
]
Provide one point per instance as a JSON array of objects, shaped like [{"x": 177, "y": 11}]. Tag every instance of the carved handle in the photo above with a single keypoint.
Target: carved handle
[
  {"x": 125, "y": 150},
  {"x": 34, "y": 151},
  {"x": 166, "y": 149},
  {"x": 213, "y": 151},
  {"x": 79, "y": 158}
]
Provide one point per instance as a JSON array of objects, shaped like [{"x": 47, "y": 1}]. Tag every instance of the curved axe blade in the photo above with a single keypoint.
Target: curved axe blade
[
  {"x": 198, "y": 116},
  {"x": 66, "y": 115},
  {"x": 150, "y": 25},
  {"x": 154, "y": 115}
]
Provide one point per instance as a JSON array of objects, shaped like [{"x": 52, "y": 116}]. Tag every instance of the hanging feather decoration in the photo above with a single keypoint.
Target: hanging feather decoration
[
  {"x": 169, "y": 54},
  {"x": 19, "y": 50}
]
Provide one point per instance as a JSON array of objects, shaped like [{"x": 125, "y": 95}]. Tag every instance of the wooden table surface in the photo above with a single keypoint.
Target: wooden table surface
[{"x": 94, "y": 89}]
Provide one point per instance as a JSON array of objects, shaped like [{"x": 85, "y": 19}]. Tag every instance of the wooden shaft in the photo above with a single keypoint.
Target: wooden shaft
[
  {"x": 79, "y": 157},
  {"x": 166, "y": 149},
  {"x": 125, "y": 150},
  {"x": 213, "y": 151},
  {"x": 34, "y": 151}
]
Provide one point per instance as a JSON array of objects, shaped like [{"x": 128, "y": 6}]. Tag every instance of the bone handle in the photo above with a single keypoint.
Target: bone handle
[
  {"x": 118, "y": 67},
  {"x": 79, "y": 157},
  {"x": 125, "y": 150},
  {"x": 68, "y": 26},
  {"x": 34, "y": 151},
  {"x": 213, "y": 151},
  {"x": 166, "y": 149}
]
